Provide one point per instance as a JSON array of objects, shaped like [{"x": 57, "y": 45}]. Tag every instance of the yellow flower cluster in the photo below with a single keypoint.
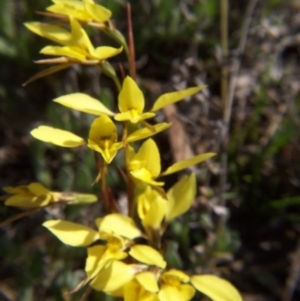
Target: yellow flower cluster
[
  {"x": 116, "y": 263},
  {"x": 145, "y": 277}
]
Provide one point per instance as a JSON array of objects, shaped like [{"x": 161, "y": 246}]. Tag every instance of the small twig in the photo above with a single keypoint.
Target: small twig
[
  {"x": 237, "y": 62},
  {"x": 86, "y": 293},
  {"x": 294, "y": 275},
  {"x": 18, "y": 216},
  {"x": 229, "y": 99}
]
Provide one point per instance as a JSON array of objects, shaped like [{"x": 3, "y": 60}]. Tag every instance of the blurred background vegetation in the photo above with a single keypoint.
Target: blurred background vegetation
[{"x": 245, "y": 222}]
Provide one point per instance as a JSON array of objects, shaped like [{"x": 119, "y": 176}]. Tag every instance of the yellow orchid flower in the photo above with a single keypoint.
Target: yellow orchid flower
[
  {"x": 131, "y": 101},
  {"x": 166, "y": 285},
  {"x": 153, "y": 209},
  {"x": 76, "y": 47},
  {"x": 116, "y": 230},
  {"x": 76, "y": 44},
  {"x": 36, "y": 195},
  {"x": 100, "y": 255},
  {"x": 135, "y": 281},
  {"x": 87, "y": 104},
  {"x": 144, "y": 166},
  {"x": 85, "y": 10},
  {"x": 112, "y": 278},
  {"x": 102, "y": 136},
  {"x": 108, "y": 282},
  {"x": 118, "y": 247},
  {"x": 30, "y": 196}
]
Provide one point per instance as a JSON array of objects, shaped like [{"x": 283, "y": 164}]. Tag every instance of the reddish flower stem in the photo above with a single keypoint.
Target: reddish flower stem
[{"x": 132, "y": 66}]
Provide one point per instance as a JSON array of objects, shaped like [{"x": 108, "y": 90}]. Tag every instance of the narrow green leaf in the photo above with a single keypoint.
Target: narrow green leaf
[{"x": 289, "y": 201}]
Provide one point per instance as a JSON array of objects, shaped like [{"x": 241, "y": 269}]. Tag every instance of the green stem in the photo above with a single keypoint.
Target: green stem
[{"x": 109, "y": 71}]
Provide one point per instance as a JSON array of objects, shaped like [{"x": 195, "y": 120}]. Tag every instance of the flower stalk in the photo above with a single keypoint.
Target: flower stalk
[{"x": 117, "y": 263}]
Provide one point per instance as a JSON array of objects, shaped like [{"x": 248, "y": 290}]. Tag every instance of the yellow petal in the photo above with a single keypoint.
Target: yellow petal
[
  {"x": 83, "y": 103},
  {"x": 32, "y": 196},
  {"x": 112, "y": 277},
  {"x": 98, "y": 257},
  {"x": 148, "y": 281},
  {"x": 133, "y": 291},
  {"x": 72, "y": 234},
  {"x": 215, "y": 288},
  {"x": 105, "y": 52},
  {"x": 187, "y": 163},
  {"x": 133, "y": 116},
  {"x": 186, "y": 291},
  {"x": 181, "y": 196},
  {"x": 92, "y": 266},
  {"x": 169, "y": 293},
  {"x": 79, "y": 37},
  {"x": 146, "y": 132},
  {"x": 57, "y": 136},
  {"x": 143, "y": 175},
  {"x": 148, "y": 153},
  {"x": 119, "y": 224},
  {"x": 97, "y": 12},
  {"x": 172, "y": 97},
  {"x": 182, "y": 277},
  {"x": 38, "y": 189},
  {"x": 108, "y": 154},
  {"x": 24, "y": 201},
  {"x": 148, "y": 255},
  {"x": 129, "y": 153},
  {"x": 131, "y": 97},
  {"x": 68, "y": 51},
  {"x": 70, "y": 8},
  {"x": 51, "y": 32},
  {"x": 103, "y": 127},
  {"x": 157, "y": 210},
  {"x": 23, "y": 189},
  {"x": 144, "y": 200}
]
